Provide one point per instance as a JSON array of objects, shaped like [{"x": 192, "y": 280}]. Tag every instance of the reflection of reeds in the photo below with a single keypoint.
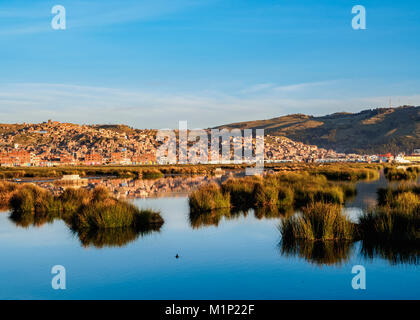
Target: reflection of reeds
[
  {"x": 318, "y": 252},
  {"x": 208, "y": 218},
  {"x": 110, "y": 237},
  {"x": 396, "y": 252},
  {"x": 349, "y": 190},
  {"x": 113, "y": 170},
  {"x": 151, "y": 174},
  {"x": 387, "y": 224},
  {"x": 272, "y": 212},
  {"x": 28, "y": 219}
]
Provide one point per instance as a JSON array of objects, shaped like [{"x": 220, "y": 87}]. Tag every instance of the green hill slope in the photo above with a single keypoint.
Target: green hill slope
[{"x": 369, "y": 131}]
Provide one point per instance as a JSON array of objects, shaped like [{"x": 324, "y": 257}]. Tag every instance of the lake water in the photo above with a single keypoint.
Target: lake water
[{"x": 239, "y": 258}]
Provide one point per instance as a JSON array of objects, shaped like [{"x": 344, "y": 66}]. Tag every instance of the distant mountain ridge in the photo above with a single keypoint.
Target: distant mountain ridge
[{"x": 370, "y": 131}]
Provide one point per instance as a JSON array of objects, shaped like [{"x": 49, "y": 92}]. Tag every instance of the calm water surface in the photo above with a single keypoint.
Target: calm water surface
[{"x": 240, "y": 258}]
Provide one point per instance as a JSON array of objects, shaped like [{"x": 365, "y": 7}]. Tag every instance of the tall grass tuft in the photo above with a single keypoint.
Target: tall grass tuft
[
  {"x": 305, "y": 195},
  {"x": 240, "y": 191},
  {"x": 6, "y": 191},
  {"x": 318, "y": 221},
  {"x": 265, "y": 195},
  {"x": 33, "y": 199},
  {"x": 209, "y": 197},
  {"x": 346, "y": 173},
  {"x": 409, "y": 173}
]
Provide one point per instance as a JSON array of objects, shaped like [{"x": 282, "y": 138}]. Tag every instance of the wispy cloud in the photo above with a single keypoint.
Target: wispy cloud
[
  {"x": 273, "y": 88},
  {"x": 29, "y": 18},
  {"x": 33, "y": 102}
]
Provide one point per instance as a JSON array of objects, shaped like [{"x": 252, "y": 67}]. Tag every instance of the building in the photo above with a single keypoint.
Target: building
[
  {"x": 388, "y": 157},
  {"x": 413, "y": 157},
  {"x": 401, "y": 159},
  {"x": 15, "y": 158},
  {"x": 93, "y": 159},
  {"x": 148, "y": 158}
]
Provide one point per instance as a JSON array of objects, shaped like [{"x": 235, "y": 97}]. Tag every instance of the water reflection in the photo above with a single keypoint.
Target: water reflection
[
  {"x": 407, "y": 252},
  {"x": 272, "y": 212},
  {"x": 318, "y": 252},
  {"x": 326, "y": 253},
  {"x": 98, "y": 238},
  {"x": 26, "y": 220},
  {"x": 112, "y": 237},
  {"x": 142, "y": 188},
  {"x": 213, "y": 218}
]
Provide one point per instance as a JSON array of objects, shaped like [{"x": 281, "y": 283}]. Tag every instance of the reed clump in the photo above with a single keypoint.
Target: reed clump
[
  {"x": 81, "y": 208},
  {"x": 410, "y": 173},
  {"x": 151, "y": 174},
  {"x": 30, "y": 198},
  {"x": 209, "y": 197},
  {"x": 314, "y": 193},
  {"x": 347, "y": 173},
  {"x": 115, "y": 214},
  {"x": 404, "y": 196},
  {"x": 318, "y": 221},
  {"x": 241, "y": 191},
  {"x": 265, "y": 195},
  {"x": 6, "y": 191},
  {"x": 282, "y": 190}
]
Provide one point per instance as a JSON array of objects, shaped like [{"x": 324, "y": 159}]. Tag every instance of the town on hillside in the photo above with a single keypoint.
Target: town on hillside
[{"x": 52, "y": 143}]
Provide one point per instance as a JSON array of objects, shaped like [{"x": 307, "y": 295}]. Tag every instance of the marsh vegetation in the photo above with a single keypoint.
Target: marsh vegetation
[
  {"x": 94, "y": 215},
  {"x": 310, "y": 205},
  {"x": 401, "y": 173},
  {"x": 281, "y": 191}
]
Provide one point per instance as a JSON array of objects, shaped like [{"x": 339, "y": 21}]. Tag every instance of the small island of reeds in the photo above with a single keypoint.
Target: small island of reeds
[
  {"x": 401, "y": 173},
  {"x": 81, "y": 209},
  {"x": 282, "y": 191}
]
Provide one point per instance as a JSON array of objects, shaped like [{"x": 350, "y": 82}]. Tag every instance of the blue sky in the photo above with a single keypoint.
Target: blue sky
[{"x": 152, "y": 63}]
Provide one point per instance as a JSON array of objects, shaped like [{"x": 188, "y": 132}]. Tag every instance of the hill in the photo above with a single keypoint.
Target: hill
[{"x": 370, "y": 131}]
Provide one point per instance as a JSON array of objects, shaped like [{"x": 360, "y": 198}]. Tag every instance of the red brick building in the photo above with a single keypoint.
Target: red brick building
[{"x": 93, "y": 159}]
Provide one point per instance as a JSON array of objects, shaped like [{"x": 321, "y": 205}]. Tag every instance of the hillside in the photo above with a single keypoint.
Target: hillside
[
  {"x": 369, "y": 131},
  {"x": 56, "y": 143}
]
